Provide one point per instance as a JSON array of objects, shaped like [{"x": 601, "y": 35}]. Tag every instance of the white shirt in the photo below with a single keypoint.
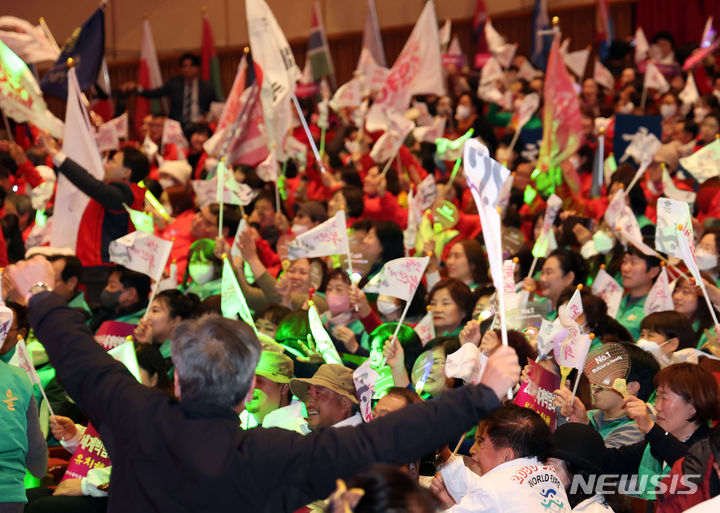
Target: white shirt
[
  {"x": 595, "y": 504},
  {"x": 709, "y": 506},
  {"x": 523, "y": 485},
  {"x": 355, "y": 420}
]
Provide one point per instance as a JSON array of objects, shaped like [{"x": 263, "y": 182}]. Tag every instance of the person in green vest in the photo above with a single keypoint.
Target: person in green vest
[
  {"x": 638, "y": 272},
  {"x": 687, "y": 399},
  {"x": 562, "y": 269},
  {"x": 707, "y": 254},
  {"x": 608, "y": 416},
  {"x": 689, "y": 301},
  {"x": 124, "y": 298},
  {"x": 203, "y": 275},
  {"x": 168, "y": 309},
  {"x": 22, "y": 444}
]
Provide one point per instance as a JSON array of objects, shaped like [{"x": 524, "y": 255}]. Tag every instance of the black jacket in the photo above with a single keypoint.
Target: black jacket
[
  {"x": 188, "y": 456},
  {"x": 174, "y": 89}
]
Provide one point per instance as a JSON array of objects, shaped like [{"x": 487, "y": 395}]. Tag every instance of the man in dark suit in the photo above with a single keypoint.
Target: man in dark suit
[{"x": 190, "y": 96}]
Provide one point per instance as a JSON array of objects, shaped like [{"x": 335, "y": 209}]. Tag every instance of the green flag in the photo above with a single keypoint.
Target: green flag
[{"x": 142, "y": 221}]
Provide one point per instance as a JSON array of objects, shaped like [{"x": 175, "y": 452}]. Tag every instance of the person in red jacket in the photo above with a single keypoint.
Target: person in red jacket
[{"x": 105, "y": 218}]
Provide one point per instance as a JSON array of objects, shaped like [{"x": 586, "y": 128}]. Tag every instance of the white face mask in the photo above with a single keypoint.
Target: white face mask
[
  {"x": 627, "y": 108},
  {"x": 352, "y": 146},
  {"x": 706, "y": 260},
  {"x": 201, "y": 272},
  {"x": 462, "y": 112},
  {"x": 297, "y": 229},
  {"x": 700, "y": 113},
  {"x": 386, "y": 305},
  {"x": 166, "y": 182},
  {"x": 667, "y": 110},
  {"x": 654, "y": 349}
]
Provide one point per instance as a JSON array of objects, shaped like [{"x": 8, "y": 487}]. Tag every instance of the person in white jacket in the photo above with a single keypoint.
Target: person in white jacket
[{"x": 508, "y": 451}]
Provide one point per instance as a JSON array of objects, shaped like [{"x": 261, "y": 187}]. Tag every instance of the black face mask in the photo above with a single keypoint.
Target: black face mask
[{"x": 110, "y": 300}]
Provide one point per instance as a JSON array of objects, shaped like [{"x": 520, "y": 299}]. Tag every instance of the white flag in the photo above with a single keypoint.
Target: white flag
[
  {"x": 654, "y": 79},
  {"x": 272, "y": 53},
  {"x": 485, "y": 178},
  {"x": 609, "y": 291},
  {"x": 659, "y": 298},
  {"x": 673, "y": 222},
  {"x": 6, "y": 320},
  {"x": 173, "y": 134},
  {"x": 526, "y": 71},
  {"x": 390, "y": 142},
  {"x": 328, "y": 238},
  {"x": 642, "y": 47},
  {"x": 121, "y": 125},
  {"x": 365, "y": 378},
  {"x": 703, "y": 164},
  {"x": 347, "y": 95},
  {"x": 22, "y": 359},
  {"x": 106, "y": 138},
  {"x": 574, "y": 308},
  {"x": 268, "y": 169},
  {"x": 642, "y": 148},
  {"x": 425, "y": 329},
  {"x": 427, "y": 193},
  {"x": 502, "y": 51},
  {"x": 529, "y": 105},
  {"x": 431, "y": 132},
  {"x": 577, "y": 61},
  {"x": 690, "y": 94},
  {"x": 467, "y": 363},
  {"x": 141, "y": 252},
  {"x": 234, "y": 193},
  {"x": 79, "y": 145},
  {"x": 371, "y": 35},
  {"x": 445, "y": 33},
  {"x": 28, "y": 41},
  {"x": 399, "y": 278},
  {"x": 491, "y": 72},
  {"x": 235, "y": 249},
  {"x": 603, "y": 76},
  {"x": 373, "y": 75},
  {"x": 417, "y": 70}
]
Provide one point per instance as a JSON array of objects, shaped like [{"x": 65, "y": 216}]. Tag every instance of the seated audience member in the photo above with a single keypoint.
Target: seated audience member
[
  {"x": 124, "y": 298},
  {"x": 329, "y": 397},
  {"x": 638, "y": 272},
  {"x": 271, "y": 404},
  {"x": 511, "y": 440}
]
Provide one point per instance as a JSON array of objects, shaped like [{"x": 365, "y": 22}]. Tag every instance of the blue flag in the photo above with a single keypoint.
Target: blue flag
[
  {"x": 541, "y": 42},
  {"x": 86, "y": 46}
]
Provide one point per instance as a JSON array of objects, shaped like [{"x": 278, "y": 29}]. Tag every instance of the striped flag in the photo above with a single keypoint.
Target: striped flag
[
  {"x": 318, "y": 49},
  {"x": 210, "y": 66},
  {"x": 249, "y": 144},
  {"x": 149, "y": 76}
]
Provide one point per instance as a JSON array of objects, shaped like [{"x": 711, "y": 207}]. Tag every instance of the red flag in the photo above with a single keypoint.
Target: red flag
[
  {"x": 562, "y": 124},
  {"x": 210, "y": 65},
  {"x": 250, "y": 144},
  {"x": 149, "y": 76}
]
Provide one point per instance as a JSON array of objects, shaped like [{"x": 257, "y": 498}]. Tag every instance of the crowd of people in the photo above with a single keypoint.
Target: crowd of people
[{"x": 222, "y": 415}]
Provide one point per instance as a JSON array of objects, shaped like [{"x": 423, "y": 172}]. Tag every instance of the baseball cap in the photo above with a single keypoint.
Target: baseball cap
[
  {"x": 276, "y": 367},
  {"x": 337, "y": 378}
]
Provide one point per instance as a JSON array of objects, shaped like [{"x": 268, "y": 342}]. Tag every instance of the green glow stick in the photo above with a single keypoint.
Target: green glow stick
[{"x": 154, "y": 203}]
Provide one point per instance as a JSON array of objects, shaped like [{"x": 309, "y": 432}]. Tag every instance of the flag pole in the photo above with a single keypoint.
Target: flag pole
[
  {"x": 318, "y": 160},
  {"x": 397, "y": 328},
  {"x": 7, "y": 127},
  {"x": 221, "y": 196}
]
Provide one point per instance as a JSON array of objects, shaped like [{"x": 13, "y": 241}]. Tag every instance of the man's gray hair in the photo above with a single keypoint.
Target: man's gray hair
[{"x": 215, "y": 359}]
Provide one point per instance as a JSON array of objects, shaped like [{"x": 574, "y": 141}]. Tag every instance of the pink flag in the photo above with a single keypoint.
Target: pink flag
[
  {"x": 654, "y": 79},
  {"x": 659, "y": 298},
  {"x": 562, "y": 124},
  {"x": 399, "y": 278},
  {"x": 603, "y": 76}
]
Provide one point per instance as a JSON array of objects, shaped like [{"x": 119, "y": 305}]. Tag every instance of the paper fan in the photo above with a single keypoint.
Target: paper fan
[{"x": 606, "y": 363}]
